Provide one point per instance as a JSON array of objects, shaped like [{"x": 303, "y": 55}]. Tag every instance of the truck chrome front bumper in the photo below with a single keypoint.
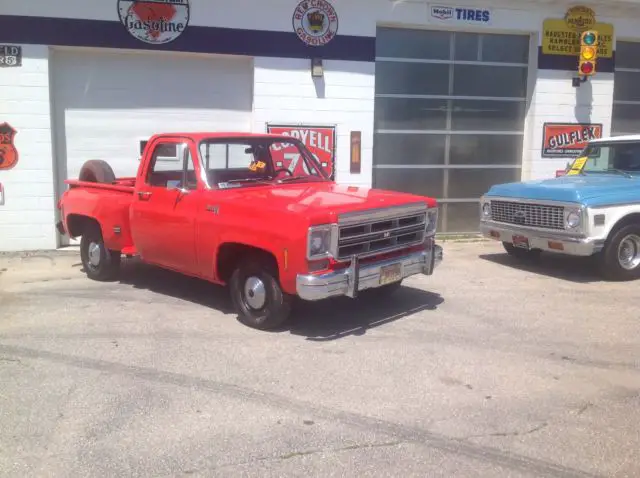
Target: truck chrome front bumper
[
  {"x": 356, "y": 277},
  {"x": 545, "y": 241}
]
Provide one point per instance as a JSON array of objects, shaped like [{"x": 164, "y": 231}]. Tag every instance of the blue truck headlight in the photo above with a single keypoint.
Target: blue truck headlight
[
  {"x": 573, "y": 220},
  {"x": 486, "y": 210},
  {"x": 319, "y": 242}
]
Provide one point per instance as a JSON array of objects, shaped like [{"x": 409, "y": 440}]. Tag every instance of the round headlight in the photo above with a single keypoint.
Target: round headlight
[
  {"x": 316, "y": 244},
  {"x": 573, "y": 219},
  {"x": 486, "y": 209}
]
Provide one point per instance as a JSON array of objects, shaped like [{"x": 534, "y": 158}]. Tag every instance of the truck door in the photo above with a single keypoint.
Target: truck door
[{"x": 165, "y": 205}]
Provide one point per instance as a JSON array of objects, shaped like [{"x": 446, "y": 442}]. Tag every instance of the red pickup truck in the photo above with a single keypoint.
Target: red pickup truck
[{"x": 255, "y": 212}]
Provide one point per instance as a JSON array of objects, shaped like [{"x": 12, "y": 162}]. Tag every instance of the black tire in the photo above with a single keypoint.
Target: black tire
[
  {"x": 521, "y": 253},
  {"x": 609, "y": 260},
  {"x": 276, "y": 307},
  {"x": 99, "y": 263},
  {"x": 97, "y": 171}
]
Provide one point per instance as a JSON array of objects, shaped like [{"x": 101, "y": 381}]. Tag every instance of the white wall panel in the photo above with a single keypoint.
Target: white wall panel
[{"x": 285, "y": 92}]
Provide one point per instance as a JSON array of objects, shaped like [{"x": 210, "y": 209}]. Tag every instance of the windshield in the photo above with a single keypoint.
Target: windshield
[
  {"x": 612, "y": 157},
  {"x": 257, "y": 160}
]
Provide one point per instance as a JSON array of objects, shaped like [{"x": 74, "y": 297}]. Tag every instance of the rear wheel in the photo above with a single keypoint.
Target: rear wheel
[
  {"x": 257, "y": 296},
  {"x": 99, "y": 262},
  {"x": 620, "y": 258},
  {"x": 521, "y": 253}
]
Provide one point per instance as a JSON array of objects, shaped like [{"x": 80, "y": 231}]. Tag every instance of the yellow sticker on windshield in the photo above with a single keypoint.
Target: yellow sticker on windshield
[
  {"x": 577, "y": 165},
  {"x": 255, "y": 165}
]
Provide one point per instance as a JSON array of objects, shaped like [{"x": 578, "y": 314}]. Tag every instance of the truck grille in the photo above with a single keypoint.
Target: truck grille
[
  {"x": 381, "y": 234},
  {"x": 527, "y": 214}
]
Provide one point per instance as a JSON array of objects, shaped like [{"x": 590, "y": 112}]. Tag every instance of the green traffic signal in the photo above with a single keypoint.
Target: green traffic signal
[{"x": 589, "y": 38}]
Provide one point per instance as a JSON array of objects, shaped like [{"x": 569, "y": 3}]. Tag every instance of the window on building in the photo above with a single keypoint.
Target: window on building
[
  {"x": 449, "y": 116},
  {"x": 626, "y": 94}
]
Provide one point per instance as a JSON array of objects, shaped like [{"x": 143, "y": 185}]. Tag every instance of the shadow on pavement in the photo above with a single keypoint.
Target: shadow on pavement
[
  {"x": 570, "y": 268},
  {"x": 173, "y": 284},
  {"x": 340, "y": 317},
  {"x": 325, "y": 320}
]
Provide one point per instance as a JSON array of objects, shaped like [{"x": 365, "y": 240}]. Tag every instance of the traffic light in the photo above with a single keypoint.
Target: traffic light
[{"x": 588, "y": 53}]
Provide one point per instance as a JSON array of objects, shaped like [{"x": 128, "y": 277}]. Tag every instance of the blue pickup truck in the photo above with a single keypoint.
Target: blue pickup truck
[{"x": 593, "y": 210}]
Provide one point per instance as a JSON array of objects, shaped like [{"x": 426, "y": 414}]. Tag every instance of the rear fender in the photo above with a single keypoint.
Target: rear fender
[{"x": 109, "y": 209}]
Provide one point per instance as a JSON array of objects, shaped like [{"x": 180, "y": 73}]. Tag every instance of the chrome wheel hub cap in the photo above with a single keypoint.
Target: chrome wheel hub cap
[
  {"x": 629, "y": 252},
  {"x": 94, "y": 254},
  {"x": 255, "y": 293}
]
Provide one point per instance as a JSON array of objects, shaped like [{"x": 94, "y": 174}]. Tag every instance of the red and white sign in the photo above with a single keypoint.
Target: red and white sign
[
  {"x": 315, "y": 22},
  {"x": 154, "y": 21},
  {"x": 320, "y": 140}
]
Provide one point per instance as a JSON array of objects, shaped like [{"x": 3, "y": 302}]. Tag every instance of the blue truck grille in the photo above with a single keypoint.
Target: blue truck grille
[{"x": 528, "y": 214}]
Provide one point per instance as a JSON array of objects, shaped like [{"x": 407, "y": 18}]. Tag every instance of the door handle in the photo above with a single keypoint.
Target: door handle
[{"x": 144, "y": 195}]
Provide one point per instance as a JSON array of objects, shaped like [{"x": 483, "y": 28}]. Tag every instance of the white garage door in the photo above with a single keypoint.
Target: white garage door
[{"x": 107, "y": 102}]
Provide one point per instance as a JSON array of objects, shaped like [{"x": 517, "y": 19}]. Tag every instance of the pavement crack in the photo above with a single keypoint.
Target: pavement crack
[
  {"x": 509, "y": 434},
  {"x": 358, "y": 446},
  {"x": 584, "y": 408},
  {"x": 301, "y": 453}
]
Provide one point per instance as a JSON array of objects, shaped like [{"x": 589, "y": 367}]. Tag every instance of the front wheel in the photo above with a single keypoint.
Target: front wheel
[
  {"x": 620, "y": 258},
  {"x": 99, "y": 262},
  {"x": 521, "y": 253},
  {"x": 257, "y": 296}
]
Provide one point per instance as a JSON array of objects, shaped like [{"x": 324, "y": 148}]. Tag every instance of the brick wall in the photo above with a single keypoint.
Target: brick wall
[{"x": 27, "y": 217}]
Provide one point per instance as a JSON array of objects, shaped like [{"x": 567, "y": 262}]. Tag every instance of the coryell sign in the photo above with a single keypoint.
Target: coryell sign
[
  {"x": 320, "y": 140},
  {"x": 154, "y": 21}
]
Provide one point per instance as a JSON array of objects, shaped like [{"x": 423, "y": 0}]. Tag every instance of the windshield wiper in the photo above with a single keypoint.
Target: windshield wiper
[
  {"x": 292, "y": 178},
  {"x": 296, "y": 178},
  {"x": 249, "y": 180},
  {"x": 619, "y": 171}
]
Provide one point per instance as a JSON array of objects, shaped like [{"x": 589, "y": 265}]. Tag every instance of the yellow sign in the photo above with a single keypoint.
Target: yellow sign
[
  {"x": 559, "y": 39},
  {"x": 580, "y": 18},
  {"x": 577, "y": 165}
]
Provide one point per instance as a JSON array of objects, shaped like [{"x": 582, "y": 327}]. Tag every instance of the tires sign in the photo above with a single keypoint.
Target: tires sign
[{"x": 154, "y": 21}]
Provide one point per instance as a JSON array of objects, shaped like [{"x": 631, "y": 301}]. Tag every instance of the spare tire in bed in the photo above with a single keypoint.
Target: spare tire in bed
[{"x": 97, "y": 171}]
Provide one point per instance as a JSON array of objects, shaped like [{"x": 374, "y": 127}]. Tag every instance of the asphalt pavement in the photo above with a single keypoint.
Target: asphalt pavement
[{"x": 488, "y": 368}]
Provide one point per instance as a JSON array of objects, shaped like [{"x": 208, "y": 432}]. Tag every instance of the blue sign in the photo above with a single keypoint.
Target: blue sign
[{"x": 453, "y": 14}]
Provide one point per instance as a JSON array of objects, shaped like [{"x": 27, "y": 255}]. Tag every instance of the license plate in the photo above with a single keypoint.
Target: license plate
[
  {"x": 521, "y": 242},
  {"x": 390, "y": 273}
]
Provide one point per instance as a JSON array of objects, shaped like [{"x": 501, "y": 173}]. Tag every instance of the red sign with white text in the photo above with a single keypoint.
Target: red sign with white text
[{"x": 320, "y": 140}]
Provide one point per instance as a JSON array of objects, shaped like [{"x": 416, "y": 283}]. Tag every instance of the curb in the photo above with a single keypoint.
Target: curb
[{"x": 66, "y": 251}]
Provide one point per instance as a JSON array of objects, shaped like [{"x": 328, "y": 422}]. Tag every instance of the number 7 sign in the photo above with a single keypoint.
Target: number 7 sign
[{"x": 320, "y": 140}]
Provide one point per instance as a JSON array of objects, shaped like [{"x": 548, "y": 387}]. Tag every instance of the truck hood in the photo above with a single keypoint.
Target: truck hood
[
  {"x": 319, "y": 202},
  {"x": 579, "y": 188}
]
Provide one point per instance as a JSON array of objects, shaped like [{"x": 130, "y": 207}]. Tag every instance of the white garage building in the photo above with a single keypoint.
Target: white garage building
[{"x": 449, "y": 98}]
